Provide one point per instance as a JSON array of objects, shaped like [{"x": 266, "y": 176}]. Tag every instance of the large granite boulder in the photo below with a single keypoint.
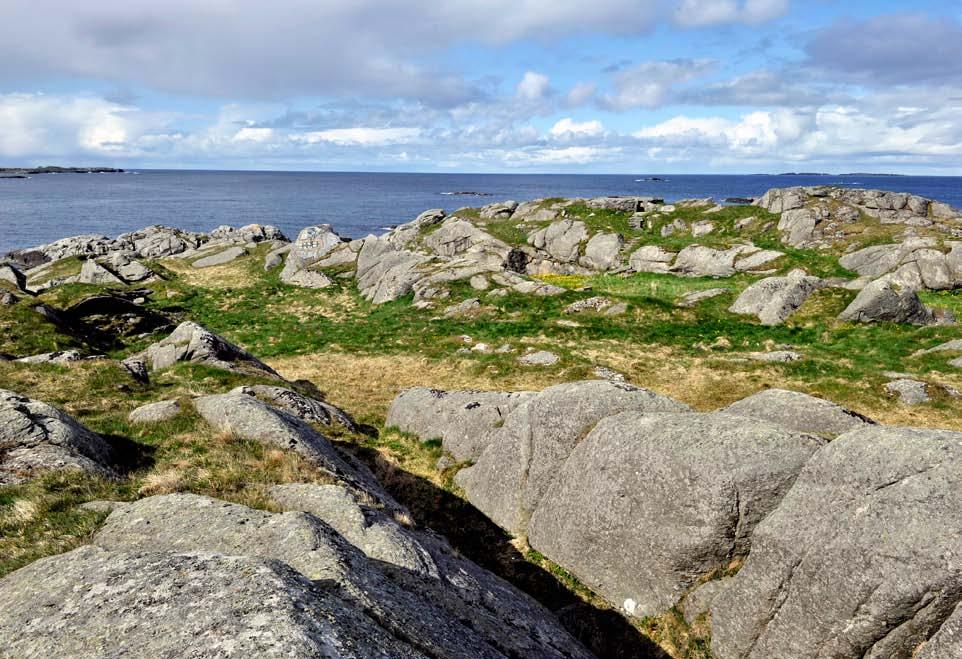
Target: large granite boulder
[
  {"x": 773, "y": 299},
  {"x": 36, "y": 437},
  {"x": 425, "y": 611},
  {"x": 860, "y": 559},
  {"x": 462, "y": 420},
  {"x": 523, "y": 457},
  {"x": 456, "y": 236},
  {"x": 651, "y": 258},
  {"x": 386, "y": 273},
  {"x": 192, "y": 343},
  {"x": 303, "y": 407},
  {"x": 312, "y": 245},
  {"x": 885, "y": 300},
  {"x": 169, "y": 604},
  {"x": 648, "y": 504},
  {"x": 603, "y": 252},
  {"x": 561, "y": 241},
  {"x": 800, "y": 412},
  {"x": 501, "y": 210},
  {"x": 946, "y": 643},
  {"x": 702, "y": 261},
  {"x": 92, "y": 272}
]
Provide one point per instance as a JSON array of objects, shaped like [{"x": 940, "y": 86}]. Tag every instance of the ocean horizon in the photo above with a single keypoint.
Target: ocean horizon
[{"x": 47, "y": 207}]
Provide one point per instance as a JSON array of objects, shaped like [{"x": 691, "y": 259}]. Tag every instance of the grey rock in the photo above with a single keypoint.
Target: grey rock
[
  {"x": 462, "y": 420},
  {"x": 541, "y": 289},
  {"x": 273, "y": 260},
  {"x": 36, "y": 437},
  {"x": 774, "y": 299},
  {"x": 702, "y": 227},
  {"x": 869, "y": 532},
  {"x": 534, "y": 211},
  {"x": 101, "y": 506},
  {"x": 303, "y": 407},
  {"x": 603, "y": 251},
  {"x": 8, "y": 299},
  {"x": 539, "y": 358},
  {"x": 58, "y": 357},
  {"x": 158, "y": 412},
  {"x": 782, "y": 356},
  {"x": 651, "y": 258},
  {"x": 463, "y": 308},
  {"x": 498, "y": 211},
  {"x": 479, "y": 283},
  {"x": 425, "y": 612},
  {"x": 370, "y": 530},
  {"x": 220, "y": 258},
  {"x": 137, "y": 368},
  {"x": 887, "y": 301},
  {"x": 560, "y": 240},
  {"x": 800, "y": 412},
  {"x": 909, "y": 392},
  {"x": 620, "y": 204},
  {"x": 313, "y": 244},
  {"x": 306, "y": 278},
  {"x": 617, "y": 309},
  {"x": 181, "y": 605},
  {"x": 193, "y": 343},
  {"x": 456, "y": 236},
  {"x": 701, "y": 261},
  {"x": 405, "y": 234},
  {"x": 757, "y": 260},
  {"x": 588, "y": 304},
  {"x": 385, "y": 273},
  {"x": 698, "y": 601},
  {"x": 647, "y": 504},
  {"x": 11, "y": 274},
  {"x": 954, "y": 345},
  {"x": 92, "y": 272},
  {"x": 245, "y": 417},
  {"x": 946, "y": 643},
  {"x": 692, "y": 298},
  {"x": 524, "y": 456}
]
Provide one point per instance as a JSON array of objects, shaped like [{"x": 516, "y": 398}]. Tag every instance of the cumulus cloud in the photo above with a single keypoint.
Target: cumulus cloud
[
  {"x": 359, "y": 136},
  {"x": 533, "y": 86},
  {"x": 649, "y": 84},
  {"x": 567, "y": 128}
]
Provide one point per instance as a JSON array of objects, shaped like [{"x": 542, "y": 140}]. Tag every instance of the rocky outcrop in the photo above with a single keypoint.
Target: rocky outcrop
[
  {"x": 603, "y": 252},
  {"x": 220, "y": 257},
  {"x": 799, "y": 412},
  {"x": 158, "y": 412},
  {"x": 312, "y": 246},
  {"x": 36, "y": 438},
  {"x": 192, "y": 343},
  {"x": 385, "y": 273},
  {"x": 919, "y": 260},
  {"x": 560, "y": 241},
  {"x": 462, "y": 420},
  {"x": 701, "y": 261},
  {"x": 773, "y": 299},
  {"x": 651, "y": 258},
  {"x": 869, "y": 532},
  {"x": 303, "y": 407},
  {"x": 12, "y": 275},
  {"x": 648, "y": 504},
  {"x": 384, "y": 609},
  {"x": 885, "y": 300},
  {"x": 523, "y": 457}
]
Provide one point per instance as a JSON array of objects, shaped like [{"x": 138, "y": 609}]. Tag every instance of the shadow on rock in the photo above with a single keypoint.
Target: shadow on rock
[
  {"x": 130, "y": 456},
  {"x": 603, "y": 631}
]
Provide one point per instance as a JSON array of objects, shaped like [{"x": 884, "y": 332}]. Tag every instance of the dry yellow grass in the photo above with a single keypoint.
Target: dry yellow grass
[{"x": 236, "y": 274}]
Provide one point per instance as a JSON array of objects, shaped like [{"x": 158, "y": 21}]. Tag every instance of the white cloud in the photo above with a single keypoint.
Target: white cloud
[
  {"x": 533, "y": 86},
  {"x": 249, "y": 134},
  {"x": 359, "y": 136},
  {"x": 571, "y": 155},
  {"x": 567, "y": 128},
  {"x": 699, "y": 13},
  {"x": 581, "y": 93},
  {"x": 649, "y": 84}
]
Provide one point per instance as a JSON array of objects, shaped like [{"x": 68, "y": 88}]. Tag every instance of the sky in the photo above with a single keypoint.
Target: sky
[{"x": 586, "y": 86}]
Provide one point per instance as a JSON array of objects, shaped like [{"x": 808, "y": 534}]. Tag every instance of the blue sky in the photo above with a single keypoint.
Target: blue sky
[{"x": 634, "y": 86}]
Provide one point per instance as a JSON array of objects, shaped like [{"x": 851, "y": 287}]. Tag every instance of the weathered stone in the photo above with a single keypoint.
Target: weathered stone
[
  {"x": 860, "y": 559},
  {"x": 191, "y": 342},
  {"x": 524, "y": 456},
  {"x": 774, "y": 299},
  {"x": 698, "y": 601},
  {"x": 778, "y": 356},
  {"x": 384, "y": 273},
  {"x": 560, "y": 240},
  {"x": 13, "y": 275},
  {"x": 692, "y": 298},
  {"x": 602, "y": 252},
  {"x": 702, "y": 227},
  {"x": 800, "y": 412},
  {"x": 757, "y": 260},
  {"x": 306, "y": 278},
  {"x": 701, "y": 261},
  {"x": 36, "y": 437},
  {"x": 539, "y": 358},
  {"x": 588, "y": 304},
  {"x": 909, "y": 392},
  {"x": 648, "y": 504},
  {"x": 220, "y": 258},
  {"x": 92, "y": 272},
  {"x": 462, "y": 420},
  {"x": 58, "y": 357},
  {"x": 466, "y": 307},
  {"x": 303, "y": 407},
  {"x": 159, "y": 412},
  {"x": 887, "y": 301},
  {"x": 651, "y": 258},
  {"x": 456, "y": 236},
  {"x": 498, "y": 211},
  {"x": 946, "y": 643}
]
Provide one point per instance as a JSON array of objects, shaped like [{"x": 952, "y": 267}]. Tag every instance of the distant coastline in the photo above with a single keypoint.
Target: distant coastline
[
  {"x": 24, "y": 172},
  {"x": 827, "y": 174}
]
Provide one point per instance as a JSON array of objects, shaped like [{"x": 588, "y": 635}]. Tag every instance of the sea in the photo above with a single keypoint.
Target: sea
[{"x": 47, "y": 207}]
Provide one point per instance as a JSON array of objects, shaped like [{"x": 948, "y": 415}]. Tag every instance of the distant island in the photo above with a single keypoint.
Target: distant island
[
  {"x": 827, "y": 174},
  {"x": 24, "y": 172}
]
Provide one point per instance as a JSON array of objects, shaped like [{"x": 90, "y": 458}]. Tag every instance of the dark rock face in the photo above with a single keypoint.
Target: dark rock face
[
  {"x": 648, "y": 504},
  {"x": 888, "y": 301},
  {"x": 35, "y": 437},
  {"x": 860, "y": 559},
  {"x": 517, "y": 261}
]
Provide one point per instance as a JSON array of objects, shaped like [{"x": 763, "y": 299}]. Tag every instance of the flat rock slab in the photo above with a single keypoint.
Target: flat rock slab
[
  {"x": 909, "y": 392},
  {"x": 861, "y": 557},
  {"x": 647, "y": 505},
  {"x": 800, "y": 412},
  {"x": 540, "y": 358},
  {"x": 159, "y": 412},
  {"x": 220, "y": 258},
  {"x": 462, "y": 420},
  {"x": 36, "y": 438},
  {"x": 303, "y": 407}
]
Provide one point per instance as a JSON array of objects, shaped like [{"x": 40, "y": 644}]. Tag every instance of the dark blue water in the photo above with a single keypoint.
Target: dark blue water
[{"x": 48, "y": 207}]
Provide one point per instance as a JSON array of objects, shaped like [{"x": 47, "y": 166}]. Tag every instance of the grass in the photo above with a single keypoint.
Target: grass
[{"x": 361, "y": 355}]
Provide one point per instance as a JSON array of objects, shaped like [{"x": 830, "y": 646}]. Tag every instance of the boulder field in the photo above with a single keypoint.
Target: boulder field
[{"x": 803, "y": 528}]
